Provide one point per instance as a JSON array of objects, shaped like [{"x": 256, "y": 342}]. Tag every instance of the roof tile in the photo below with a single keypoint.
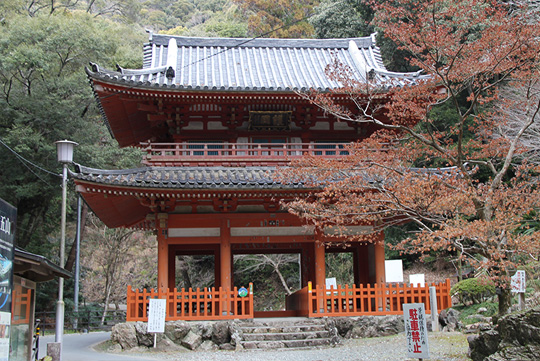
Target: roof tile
[
  {"x": 251, "y": 64},
  {"x": 186, "y": 177}
]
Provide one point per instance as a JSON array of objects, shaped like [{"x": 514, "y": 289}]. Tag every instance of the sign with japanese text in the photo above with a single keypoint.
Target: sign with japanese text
[
  {"x": 517, "y": 282},
  {"x": 416, "y": 330},
  {"x": 156, "y": 315}
]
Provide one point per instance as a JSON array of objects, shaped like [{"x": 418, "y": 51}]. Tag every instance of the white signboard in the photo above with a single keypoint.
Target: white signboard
[
  {"x": 416, "y": 330},
  {"x": 393, "y": 269},
  {"x": 331, "y": 282},
  {"x": 156, "y": 315},
  {"x": 517, "y": 282},
  {"x": 417, "y": 280}
]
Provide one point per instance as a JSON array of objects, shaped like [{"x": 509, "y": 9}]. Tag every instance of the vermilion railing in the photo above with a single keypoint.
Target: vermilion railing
[
  {"x": 187, "y": 154},
  {"x": 206, "y": 304},
  {"x": 378, "y": 299}
]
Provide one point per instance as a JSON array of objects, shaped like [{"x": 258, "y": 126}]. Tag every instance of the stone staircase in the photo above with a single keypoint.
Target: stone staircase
[{"x": 278, "y": 334}]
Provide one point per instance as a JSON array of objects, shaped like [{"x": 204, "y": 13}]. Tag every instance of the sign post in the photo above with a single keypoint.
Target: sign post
[
  {"x": 518, "y": 285},
  {"x": 416, "y": 333},
  {"x": 434, "y": 308},
  {"x": 156, "y": 316},
  {"x": 8, "y": 221}
]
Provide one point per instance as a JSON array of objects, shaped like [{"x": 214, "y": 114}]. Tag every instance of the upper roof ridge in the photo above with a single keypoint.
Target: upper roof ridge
[{"x": 337, "y": 43}]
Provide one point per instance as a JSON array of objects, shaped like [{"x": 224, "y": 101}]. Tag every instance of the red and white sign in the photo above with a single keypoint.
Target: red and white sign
[
  {"x": 517, "y": 282},
  {"x": 416, "y": 330}
]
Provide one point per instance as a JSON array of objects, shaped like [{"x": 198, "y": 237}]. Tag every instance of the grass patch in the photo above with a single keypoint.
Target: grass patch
[{"x": 469, "y": 310}]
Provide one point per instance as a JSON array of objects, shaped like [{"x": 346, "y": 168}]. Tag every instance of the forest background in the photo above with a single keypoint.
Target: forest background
[{"x": 45, "y": 97}]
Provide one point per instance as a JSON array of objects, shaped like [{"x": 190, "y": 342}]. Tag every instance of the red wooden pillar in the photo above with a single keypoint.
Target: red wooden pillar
[
  {"x": 172, "y": 269},
  {"x": 225, "y": 256},
  {"x": 320, "y": 272},
  {"x": 163, "y": 251},
  {"x": 320, "y": 268},
  {"x": 380, "y": 277}
]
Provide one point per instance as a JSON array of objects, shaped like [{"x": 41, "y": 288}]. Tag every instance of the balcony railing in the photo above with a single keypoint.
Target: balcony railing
[{"x": 236, "y": 154}]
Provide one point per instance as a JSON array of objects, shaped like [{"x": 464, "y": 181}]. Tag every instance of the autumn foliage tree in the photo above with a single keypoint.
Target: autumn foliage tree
[{"x": 465, "y": 179}]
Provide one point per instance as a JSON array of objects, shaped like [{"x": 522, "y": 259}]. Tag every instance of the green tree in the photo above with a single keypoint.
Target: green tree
[
  {"x": 354, "y": 18},
  {"x": 45, "y": 97},
  {"x": 126, "y": 10},
  {"x": 342, "y": 19}
]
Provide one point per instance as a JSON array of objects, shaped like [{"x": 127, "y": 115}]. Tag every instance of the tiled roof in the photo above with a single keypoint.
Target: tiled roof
[
  {"x": 185, "y": 177},
  {"x": 185, "y": 63}
]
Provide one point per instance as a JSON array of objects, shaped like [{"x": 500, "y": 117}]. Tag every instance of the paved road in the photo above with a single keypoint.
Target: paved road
[
  {"x": 78, "y": 347},
  {"x": 443, "y": 346}
]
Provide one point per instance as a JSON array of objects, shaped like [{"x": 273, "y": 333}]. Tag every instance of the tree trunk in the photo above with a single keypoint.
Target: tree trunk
[
  {"x": 505, "y": 301},
  {"x": 275, "y": 265},
  {"x": 460, "y": 269},
  {"x": 106, "y": 306}
]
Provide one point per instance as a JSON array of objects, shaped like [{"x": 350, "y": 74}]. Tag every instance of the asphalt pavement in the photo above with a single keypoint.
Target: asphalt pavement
[
  {"x": 444, "y": 346},
  {"x": 78, "y": 347}
]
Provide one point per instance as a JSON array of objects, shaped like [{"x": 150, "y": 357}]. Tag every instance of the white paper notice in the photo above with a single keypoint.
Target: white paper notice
[{"x": 156, "y": 315}]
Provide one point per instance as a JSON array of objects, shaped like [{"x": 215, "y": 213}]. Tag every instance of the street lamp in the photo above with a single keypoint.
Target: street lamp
[{"x": 64, "y": 150}]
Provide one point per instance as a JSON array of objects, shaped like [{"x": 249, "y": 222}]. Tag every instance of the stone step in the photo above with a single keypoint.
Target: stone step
[
  {"x": 282, "y": 329},
  {"x": 281, "y": 322},
  {"x": 265, "y": 345},
  {"x": 298, "y": 333},
  {"x": 282, "y": 336}
]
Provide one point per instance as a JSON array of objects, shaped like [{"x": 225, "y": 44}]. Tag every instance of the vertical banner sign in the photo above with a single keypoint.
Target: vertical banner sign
[
  {"x": 156, "y": 315},
  {"x": 8, "y": 220},
  {"x": 416, "y": 330},
  {"x": 517, "y": 282}
]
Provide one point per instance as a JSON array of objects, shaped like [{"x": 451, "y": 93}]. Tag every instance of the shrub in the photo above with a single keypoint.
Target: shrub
[{"x": 473, "y": 290}]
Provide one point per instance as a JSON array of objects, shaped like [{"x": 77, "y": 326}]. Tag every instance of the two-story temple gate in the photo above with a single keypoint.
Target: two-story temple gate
[{"x": 216, "y": 117}]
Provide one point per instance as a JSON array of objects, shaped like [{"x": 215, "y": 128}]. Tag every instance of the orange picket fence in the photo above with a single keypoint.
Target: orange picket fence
[
  {"x": 206, "y": 304},
  {"x": 378, "y": 299}
]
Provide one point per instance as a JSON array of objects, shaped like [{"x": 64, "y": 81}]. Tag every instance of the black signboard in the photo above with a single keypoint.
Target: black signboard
[
  {"x": 8, "y": 221},
  {"x": 269, "y": 120}
]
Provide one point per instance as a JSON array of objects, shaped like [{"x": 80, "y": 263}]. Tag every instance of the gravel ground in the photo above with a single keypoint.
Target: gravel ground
[{"x": 443, "y": 346}]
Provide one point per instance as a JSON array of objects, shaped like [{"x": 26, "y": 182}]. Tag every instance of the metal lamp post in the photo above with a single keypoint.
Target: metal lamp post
[{"x": 64, "y": 150}]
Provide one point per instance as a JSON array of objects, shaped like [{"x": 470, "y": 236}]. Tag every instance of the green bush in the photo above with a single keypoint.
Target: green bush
[{"x": 473, "y": 290}]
